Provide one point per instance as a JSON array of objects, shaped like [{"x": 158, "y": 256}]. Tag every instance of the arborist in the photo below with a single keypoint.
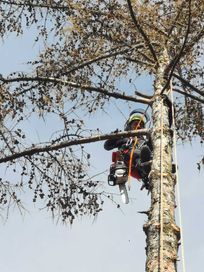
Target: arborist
[{"x": 134, "y": 155}]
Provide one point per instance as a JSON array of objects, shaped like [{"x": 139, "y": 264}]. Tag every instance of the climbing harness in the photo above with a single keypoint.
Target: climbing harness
[
  {"x": 119, "y": 172},
  {"x": 144, "y": 114}
]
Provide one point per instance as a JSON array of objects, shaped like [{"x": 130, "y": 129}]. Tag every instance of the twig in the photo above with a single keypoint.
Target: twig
[
  {"x": 193, "y": 42},
  {"x": 34, "y": 5},
  {"x": 75, "y": 85},
  {"x": 188, "y": 84},
  {"x": 139, "y": 62},
  {"x": 175, "y": 61},
  {"x": 176, "y": 18},
  {"x": 189, "y": 95},
  {"x": 101, "y": 57}
]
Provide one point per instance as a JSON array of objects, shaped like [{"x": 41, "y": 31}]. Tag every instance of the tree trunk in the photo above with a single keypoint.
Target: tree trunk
[{"x": 161, "y": 230}]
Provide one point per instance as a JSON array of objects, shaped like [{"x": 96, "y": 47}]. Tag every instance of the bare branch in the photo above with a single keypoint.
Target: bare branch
[
  {"x": 104, "y": 56},
  {"x": 143, "y": 95},
  {"x": 188, "y": 84},
  {"x": 147, "y": 57},
  {"x": 155, "y": 28},
  {"x": 82, "y": 87},
  {"x": 176, "y": 18},
  {"x": 172, "y": 65},
  {"x": 38, "y": 149},
  {"x": 140, "y": 62},
  {"x": 189, "y": 95},
  {"x": 6, "y": 141},
  {"x": 193, "y": 42},
  {"x": 29, "y": 4},
  {"x": 141, "y": 31}
]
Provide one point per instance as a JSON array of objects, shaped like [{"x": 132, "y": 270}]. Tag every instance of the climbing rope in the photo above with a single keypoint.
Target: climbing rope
[
  {"x": 161, "y": 244},
  {"x": 161, "y": 189},
  {"x": 177, "y": 179},
  {"x": 131, "y": 155}
]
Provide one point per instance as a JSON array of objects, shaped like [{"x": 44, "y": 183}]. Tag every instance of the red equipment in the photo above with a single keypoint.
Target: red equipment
[{"x": 118, "y": 156}]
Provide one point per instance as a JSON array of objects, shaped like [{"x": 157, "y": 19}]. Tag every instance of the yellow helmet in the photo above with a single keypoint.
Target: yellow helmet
[{"x": 137, "y": 115}]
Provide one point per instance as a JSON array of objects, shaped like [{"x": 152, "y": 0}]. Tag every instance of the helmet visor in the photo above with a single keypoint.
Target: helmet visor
[{"x": 135, "y": 117}]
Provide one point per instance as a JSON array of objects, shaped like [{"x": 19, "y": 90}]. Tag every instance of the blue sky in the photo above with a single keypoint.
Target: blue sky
[{"x": 115, "y": 240}]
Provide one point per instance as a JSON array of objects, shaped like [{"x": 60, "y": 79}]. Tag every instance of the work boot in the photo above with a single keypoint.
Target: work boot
[{"x": 145, "y": 184}]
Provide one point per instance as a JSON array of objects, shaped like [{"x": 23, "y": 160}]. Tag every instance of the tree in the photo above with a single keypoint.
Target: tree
[{"x": 89, "y": 46}]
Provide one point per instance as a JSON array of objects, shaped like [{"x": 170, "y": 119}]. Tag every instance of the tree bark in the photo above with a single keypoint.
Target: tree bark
[{"x": 161, "y": 230}]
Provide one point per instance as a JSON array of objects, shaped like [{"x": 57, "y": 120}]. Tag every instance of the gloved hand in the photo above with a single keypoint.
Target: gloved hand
[{"x": 121, "y": 142}]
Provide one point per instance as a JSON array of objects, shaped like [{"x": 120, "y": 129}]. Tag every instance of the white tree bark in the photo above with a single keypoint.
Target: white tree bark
[{"x": 161, "y": 230}]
